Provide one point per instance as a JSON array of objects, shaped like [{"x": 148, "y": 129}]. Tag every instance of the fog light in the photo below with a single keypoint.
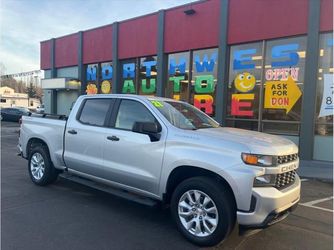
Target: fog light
[{"x": 264, "y": 180}]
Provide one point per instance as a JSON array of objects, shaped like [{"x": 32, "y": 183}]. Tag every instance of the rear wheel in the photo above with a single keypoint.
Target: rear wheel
[
  {"x": 40, "y": 167},
  {"x": 203, "y": 210}
]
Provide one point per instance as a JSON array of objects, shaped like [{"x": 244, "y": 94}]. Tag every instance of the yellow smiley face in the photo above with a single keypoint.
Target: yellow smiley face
[
  {"x": 105, "y": 87},
  {"x": 244, "y": 82}
]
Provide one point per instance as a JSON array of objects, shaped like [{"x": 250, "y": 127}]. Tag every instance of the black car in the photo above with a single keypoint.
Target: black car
[{"x": 13, "y": 114}]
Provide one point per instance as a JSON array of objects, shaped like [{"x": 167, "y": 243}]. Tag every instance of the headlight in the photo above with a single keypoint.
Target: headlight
[
  {"x": 259, "y": 160},
  {"x": 265, "y": 180}
]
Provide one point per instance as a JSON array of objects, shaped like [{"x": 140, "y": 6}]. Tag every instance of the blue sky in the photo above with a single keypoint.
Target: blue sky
[{"x": 24, "y": 23}]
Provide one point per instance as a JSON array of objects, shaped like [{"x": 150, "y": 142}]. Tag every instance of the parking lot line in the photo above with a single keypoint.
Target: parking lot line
[
  {"x": 312, "y": 203},
  {"x": 303, "y": 179},
  {"x": 320, "y": 208},
  {"x": 318, "y": 201}
]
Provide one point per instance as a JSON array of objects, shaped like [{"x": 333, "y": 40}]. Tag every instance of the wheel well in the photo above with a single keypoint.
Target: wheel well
[
  {"x": 34, "y": 142},
  {"x": 182, "y": 173}
]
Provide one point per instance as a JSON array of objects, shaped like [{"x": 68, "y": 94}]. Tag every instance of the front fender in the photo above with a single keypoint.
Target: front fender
[{"x": 227, "y": 164}]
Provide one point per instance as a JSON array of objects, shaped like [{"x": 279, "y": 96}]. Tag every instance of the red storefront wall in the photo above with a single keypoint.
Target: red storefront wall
[
  {"x": 248, "y": 20},
  {"x": 253, "y": 20},
  {"x": 200, "y": 30},
  {"x": 45, "y": 55},
  {"x": 326, "y": 16},
  {"x": 66, "y": 51},
  {"x": 138, "y": 37},
  {"x": 97, "y": 45}
]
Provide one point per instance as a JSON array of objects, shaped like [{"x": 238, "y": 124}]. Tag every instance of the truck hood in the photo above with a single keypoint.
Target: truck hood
[{"x": 256, "y": 142}]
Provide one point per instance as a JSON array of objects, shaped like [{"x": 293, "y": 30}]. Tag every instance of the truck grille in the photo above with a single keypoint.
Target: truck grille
[
  {"x": 286, "y": 179},
  {"x": 286, "y": 158}
]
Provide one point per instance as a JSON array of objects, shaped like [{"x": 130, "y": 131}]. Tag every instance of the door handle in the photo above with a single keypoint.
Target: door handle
[
  {"x": 73, "y": 132},
  {"x": 113, "y": 138}
]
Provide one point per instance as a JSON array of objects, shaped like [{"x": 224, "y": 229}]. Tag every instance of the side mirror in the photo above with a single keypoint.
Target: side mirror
[{"x": 146, "y": 128}]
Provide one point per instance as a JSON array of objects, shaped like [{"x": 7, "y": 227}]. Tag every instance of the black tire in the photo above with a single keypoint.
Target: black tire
[
  {"x": 50, "y": 172},
  {"x": 223, "y": 200}
]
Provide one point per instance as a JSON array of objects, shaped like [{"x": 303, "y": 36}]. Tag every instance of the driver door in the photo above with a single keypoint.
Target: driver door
[{"x": 132, "y": 158}]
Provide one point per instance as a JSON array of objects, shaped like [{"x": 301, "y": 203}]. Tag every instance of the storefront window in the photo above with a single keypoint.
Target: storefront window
[
  {"x": 323, "y": 139},
  {"x": 106, "y": 74},
  {"x": 99, "y": 78},
  {"x": 324, "y": 105},
  {"x": 204, "y": 80},
  {"x": 267, "y": 91},
  {"x": 148, "y": 76},
  {"x": 283, "y": 83},
  {"x": 129, "y": 76},
  {"x": 178, "y": 76},
  {"x": 244, "y": 85},
  {"x": 92, "y": 79}
]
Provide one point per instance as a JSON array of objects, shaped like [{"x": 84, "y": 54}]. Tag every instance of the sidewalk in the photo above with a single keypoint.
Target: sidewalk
[{"x": 316, "y": 170}]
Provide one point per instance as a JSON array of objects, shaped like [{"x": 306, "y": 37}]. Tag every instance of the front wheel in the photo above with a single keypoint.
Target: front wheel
[
  {"x": 40, "y": 167},
  {"x": 203, "y": 210}
]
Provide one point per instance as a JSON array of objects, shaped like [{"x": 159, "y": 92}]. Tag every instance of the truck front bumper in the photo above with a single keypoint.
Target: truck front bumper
[{"x": 271, "y": 205}]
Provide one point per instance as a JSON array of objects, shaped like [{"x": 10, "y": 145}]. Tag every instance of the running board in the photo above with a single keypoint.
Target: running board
[{"x": 108, "y": 189}]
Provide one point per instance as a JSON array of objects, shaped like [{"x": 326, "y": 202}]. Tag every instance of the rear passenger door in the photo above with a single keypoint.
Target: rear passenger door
[
  {"x": 85, "y": 136},
  {"x": 133, "y": 158}
]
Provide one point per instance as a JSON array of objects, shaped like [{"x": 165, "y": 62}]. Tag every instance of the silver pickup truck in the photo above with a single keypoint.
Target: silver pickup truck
[{"x": 169, "y": 151}]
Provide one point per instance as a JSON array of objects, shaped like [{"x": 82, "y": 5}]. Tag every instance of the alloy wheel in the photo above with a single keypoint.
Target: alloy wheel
[
  {"x": 198, "y": 213},
  {"x": 37, "y": 166}
]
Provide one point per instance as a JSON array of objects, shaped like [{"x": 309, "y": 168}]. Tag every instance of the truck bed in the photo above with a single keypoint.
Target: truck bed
[{"x": 49, "y": 128}]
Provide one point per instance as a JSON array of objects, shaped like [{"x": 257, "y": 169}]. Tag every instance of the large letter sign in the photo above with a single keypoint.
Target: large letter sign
[
  {"x": 204, "y": 86},
  {"x": 106, "y": 72},
  {"x": 239, "y": 103},
  {"x": 205, "y": 103},
  {"x": 288, "y": 52},
  {"x": 148, "y": 88},
  {"x": 128, "y": 84},
  {"x": 181, "y": 66},
  {"x": 148, "y": 85},
  {"x": 242, "y": 59},
  {"x": 91, "y": 73},
  {"x": 206, "y": 64}
]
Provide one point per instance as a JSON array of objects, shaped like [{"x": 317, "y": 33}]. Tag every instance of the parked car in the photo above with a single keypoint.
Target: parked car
[
  {"x": 13, "y": 114},
  {"x": 40, "y": 109},
  {"x": 171, "y": 152}
]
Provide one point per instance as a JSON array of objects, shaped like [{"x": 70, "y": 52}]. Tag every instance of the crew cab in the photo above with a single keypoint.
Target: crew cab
[{"x": 169, "y": 151}]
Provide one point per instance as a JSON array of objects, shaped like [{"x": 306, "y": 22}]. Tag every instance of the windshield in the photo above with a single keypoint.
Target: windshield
[{"x": 183, "y": 115}]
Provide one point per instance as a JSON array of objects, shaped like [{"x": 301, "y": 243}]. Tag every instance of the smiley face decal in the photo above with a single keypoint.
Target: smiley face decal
[
  {"x": 105, "y": 87},
  {"x": 244, "y": 82}
]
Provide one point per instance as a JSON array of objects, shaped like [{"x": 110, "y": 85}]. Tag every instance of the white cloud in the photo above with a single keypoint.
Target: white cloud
[{"x": 23, "y": 24}]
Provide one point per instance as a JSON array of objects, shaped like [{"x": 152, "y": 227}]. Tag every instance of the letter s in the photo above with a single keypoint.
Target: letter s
[{"x": 285, "y": 51}]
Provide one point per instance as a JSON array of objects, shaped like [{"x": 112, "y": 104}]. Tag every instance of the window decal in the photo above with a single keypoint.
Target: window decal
[
  {"x": 91, "y": 89},
  {"x": 281, "y": 94}
]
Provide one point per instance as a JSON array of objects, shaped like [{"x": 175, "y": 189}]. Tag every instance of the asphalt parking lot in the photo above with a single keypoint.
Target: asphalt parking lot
[{"x": 67, "y": 215}]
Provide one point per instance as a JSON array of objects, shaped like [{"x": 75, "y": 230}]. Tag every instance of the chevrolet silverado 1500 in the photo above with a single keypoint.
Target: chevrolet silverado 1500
[{"x": 169, "y": 151}]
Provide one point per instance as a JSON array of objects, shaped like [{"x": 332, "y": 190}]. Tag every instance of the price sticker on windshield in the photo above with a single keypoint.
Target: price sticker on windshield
[{"x": 157, "y": 104}]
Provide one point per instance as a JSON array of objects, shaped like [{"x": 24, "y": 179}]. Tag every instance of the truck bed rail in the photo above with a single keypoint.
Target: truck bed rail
[{"x": 50, "y": 116}]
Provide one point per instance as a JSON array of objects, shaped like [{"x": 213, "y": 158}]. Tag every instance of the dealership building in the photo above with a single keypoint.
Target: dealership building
[{"x": 258, "y": 65}]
